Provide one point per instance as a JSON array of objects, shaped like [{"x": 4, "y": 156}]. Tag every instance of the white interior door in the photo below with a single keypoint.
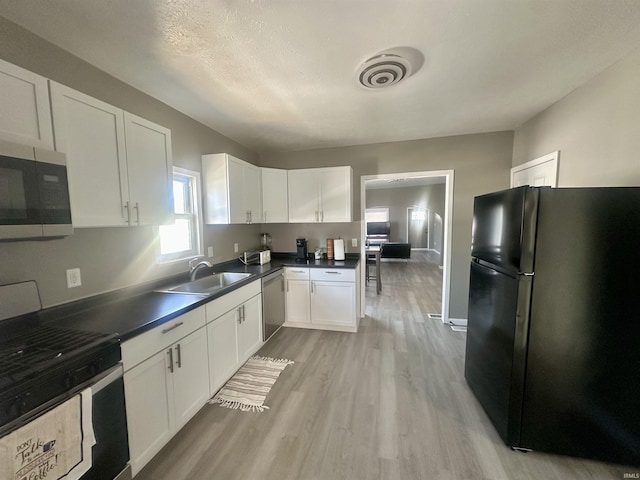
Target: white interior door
[{"x": 539, "y": 172}]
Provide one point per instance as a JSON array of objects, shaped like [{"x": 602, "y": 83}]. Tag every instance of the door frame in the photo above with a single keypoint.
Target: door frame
[
  {"x": 447, "y": 227},
  {"x": 551, "y": 158}
]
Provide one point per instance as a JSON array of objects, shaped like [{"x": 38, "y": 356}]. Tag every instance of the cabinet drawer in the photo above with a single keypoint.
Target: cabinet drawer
[
  {"x": 333, "y": 274},
  {"x": 149, "y": 343},
  {"x": 296, "y": 273},
  {"x": 231, "y": 300}
]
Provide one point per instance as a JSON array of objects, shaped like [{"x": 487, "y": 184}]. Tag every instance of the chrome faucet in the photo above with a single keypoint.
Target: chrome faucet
[{"x": 196, "y": 264}]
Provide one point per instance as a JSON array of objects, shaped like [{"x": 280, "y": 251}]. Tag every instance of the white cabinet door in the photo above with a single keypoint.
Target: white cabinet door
[
  {"x": 149, "y": 409},
  {"x": 335, "y": 188},
  {"x": 91, "y": 133},
  {"x": 250, "y": 329},
  {"x": 149, "y": 165},
  {"x": 25, "y": 115},
  {"x": 333, "y": 302},
  {"x": 253, "y": 193},
  {"x": 237, "y": 207},
  {"x": 190, "y": 376},
  {"x": 232, "y": 190},
  {"x": 304, "y": 195},
  {"x": 297, "y": 301},
  {"x": 275, "y": 207},
  {"x": 222, "y": 336}
]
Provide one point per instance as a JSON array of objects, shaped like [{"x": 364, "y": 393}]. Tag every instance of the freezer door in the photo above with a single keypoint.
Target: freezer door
[
  {"x": 504, "y": 228},
  {"x": 492, "y": 354}
]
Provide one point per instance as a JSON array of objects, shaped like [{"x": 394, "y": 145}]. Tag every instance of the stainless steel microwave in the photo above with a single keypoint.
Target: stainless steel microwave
[{"x": 34, "y": 193}]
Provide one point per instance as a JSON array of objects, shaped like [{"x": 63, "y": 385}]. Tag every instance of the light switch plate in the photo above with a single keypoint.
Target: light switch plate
[
  {"x": 354, "y": 242},
  {"x": 235, "y": 248},
  {"x": 73, "y": 278},
  {"x": 210, "y": 252}
]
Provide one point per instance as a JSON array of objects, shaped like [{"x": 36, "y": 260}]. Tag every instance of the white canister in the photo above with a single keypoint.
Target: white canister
[{"x": 338, "y": 248}]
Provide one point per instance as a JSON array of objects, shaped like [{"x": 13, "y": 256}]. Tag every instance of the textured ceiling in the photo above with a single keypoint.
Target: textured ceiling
[{"x": 281, "y": 75}]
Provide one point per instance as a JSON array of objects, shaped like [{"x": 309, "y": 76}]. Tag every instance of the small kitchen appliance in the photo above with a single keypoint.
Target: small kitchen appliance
[
  {"x": 301, "y": 250},
  {"x": 265, "y": 241},
  {"x": 256, "y": 257}
]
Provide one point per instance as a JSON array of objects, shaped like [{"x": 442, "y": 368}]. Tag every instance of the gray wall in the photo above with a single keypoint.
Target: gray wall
[
  {"x": 595, "y": 128},
  {"x": 400, "y": 198},
  {"x": 480, "y": 162},
  {"x": 109, "y": 258}
]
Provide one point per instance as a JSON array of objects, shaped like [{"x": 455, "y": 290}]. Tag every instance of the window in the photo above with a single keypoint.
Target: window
[
  {"x": 181, "y": 240},
  {"x": 380, "y": 214}
]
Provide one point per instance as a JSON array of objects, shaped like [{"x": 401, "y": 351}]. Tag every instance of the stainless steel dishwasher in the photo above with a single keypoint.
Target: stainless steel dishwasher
[{"x": 272, "y": 303}]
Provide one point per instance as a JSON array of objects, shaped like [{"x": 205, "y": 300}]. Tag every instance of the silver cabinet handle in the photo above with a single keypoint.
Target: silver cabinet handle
[
  {"x": 312, "y": 286},
  {"x": 166, "y": 330},
  {"x": 243, "y": 314},
  {"x": 170, "y": 352},
  {"x": 179, "y": 356},
  {"x": 297, "y": 271},
  {"x": 333, "y": 273},
  {"x": 264, "y": 219},
  {"x": 239, "y": 316},
  {"x": 137, "y": 207},
  {"x": 126, "y": 207},
  {"x": 316, "y": 215},
  {"x": 322, "y": 215}
]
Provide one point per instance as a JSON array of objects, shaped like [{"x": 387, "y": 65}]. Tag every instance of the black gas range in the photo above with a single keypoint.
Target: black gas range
[
  {"x": 39, "y": 363},
  {"x": 42, "y": 365}
]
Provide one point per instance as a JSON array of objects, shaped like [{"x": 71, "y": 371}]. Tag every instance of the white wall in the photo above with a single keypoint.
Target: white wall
[{"x": 596, "y": 128}]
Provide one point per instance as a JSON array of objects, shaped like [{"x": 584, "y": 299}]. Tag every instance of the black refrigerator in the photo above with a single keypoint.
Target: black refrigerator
[{"x": 553, "y": 338}]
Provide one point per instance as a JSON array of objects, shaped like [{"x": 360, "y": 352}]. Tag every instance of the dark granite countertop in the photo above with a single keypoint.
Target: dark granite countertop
[{"x": 132, "y": 311}]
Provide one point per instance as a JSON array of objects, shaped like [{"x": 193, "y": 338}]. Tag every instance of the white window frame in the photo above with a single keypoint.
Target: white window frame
[{"x": 195, "y": 216}]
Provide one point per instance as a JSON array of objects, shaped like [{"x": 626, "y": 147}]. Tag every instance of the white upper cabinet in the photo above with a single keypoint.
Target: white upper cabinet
[
  {"x": 91, "y": 133},
  {"x": 149, "y": 165},
  {"x": 25, "y": 115},
  {"x": 275, "y": 199},
  {"x": 320, "y": 195},
  {"x": 336, "y": 203},
  {"x": 119, "y": 165},
  {"x": 232, "y": 190}
]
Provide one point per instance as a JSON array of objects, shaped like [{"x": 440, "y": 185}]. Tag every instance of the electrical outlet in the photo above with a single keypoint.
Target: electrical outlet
[
  {"x": 73, "y": 278},
  {"x": 210, "y": 252},
  {"x": 235, "y": 248},
  {"x": 354, "y": 242}
]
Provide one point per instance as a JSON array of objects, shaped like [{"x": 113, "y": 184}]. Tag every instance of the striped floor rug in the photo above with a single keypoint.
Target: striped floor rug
[{"x": 250, "y": 385}]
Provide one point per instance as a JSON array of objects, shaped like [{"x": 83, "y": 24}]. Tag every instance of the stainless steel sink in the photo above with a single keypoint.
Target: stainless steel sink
[{"x": 210, "y": 284}]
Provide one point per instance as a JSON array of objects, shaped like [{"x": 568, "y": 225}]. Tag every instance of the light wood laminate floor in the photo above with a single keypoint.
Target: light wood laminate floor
[{"x": 388, "y": 402}]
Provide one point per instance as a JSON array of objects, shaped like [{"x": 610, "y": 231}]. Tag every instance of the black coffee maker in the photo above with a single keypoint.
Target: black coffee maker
[{"x": 301, "y": 250}]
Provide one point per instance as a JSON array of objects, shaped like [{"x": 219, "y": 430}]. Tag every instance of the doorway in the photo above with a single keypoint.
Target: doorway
[
  {"x": 447, "y": 178},
  {"x": 418, "y": 227}
]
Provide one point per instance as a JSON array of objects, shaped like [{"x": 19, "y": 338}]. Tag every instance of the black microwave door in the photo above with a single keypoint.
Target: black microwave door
[{"x": 19, "y": 203}]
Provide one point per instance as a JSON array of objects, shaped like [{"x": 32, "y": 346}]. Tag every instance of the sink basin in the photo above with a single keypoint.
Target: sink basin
[{"x": 209, "y": 284}]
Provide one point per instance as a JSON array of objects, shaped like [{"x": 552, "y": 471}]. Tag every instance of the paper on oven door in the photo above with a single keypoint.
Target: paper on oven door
[{"x": 52, "y": 446}]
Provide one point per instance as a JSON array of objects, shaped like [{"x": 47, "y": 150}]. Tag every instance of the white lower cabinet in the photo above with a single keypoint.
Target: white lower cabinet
[
  {"x": 328, "y": 300},
  {"x": 297, "y": 295},
  {"x": 234, "y": 332},
  {"x": 165, "y": 382}
]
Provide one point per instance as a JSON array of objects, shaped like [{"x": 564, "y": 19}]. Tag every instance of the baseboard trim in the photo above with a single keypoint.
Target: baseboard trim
[{"x": 458, "y": 322}]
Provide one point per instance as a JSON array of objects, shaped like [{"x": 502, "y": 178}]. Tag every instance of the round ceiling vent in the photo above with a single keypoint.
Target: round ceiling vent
[{"x": 384, "y": 70}]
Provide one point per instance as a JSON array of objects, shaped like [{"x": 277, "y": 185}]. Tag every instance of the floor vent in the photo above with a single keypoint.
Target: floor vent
[{"x": 434, "y": 315}]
